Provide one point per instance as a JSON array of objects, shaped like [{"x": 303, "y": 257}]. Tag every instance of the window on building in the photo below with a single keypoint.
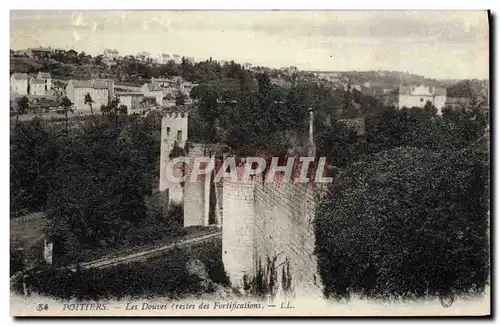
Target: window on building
[
  {"x": 179, "y": 135},
  {"x": 168, "y": 131},
  {"x": 421, "y": 99}
]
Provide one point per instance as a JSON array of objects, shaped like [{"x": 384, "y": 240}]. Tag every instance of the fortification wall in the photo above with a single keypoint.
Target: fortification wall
[
  {"x": 268, "y": 220},
  {"x": 283, "y": 228},
  {"x": 238, "y": 230},
  {"x": 196, "y": 194}
]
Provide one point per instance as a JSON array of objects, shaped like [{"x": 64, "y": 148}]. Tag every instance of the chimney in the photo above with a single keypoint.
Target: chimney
[{"x": 311, "y": 132}]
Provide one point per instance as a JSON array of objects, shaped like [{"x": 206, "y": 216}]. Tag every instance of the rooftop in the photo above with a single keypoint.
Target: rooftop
[
  {"x": 19, "y": 76},
  {"x": 43, "y": 75},
  {"x": 153, "y": 87},
  {"x": 96, "y": 84},
  {"x": 128, "y": 94},
  {"x": 40, "y": 49},
  {"x": 35, "y": 81},
  {"x": 422, "y": 90}
]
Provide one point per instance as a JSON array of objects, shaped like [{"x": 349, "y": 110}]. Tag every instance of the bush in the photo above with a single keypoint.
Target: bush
[
  {"x": 410, "y": 223},
  {"x": 159, "y": 276},
  {"x": 16, "y": 261}
]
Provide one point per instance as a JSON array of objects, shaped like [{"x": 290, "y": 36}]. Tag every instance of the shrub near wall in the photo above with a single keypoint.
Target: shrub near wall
[{"x": 409, "y": 223}]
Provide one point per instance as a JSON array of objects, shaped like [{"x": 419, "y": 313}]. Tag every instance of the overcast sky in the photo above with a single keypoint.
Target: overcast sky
[{"x": 436, "y": 44}]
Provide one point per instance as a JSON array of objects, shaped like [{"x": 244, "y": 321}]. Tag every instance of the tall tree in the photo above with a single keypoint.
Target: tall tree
[
  {"x": 68, "y": 107},
  {"x": 89, "y": 101},
  {"x": 22, "y": 106}
]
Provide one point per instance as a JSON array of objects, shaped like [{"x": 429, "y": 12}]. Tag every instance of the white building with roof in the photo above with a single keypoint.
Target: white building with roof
[
  {"x": 111, "y": 54},
  {"x": 177, "y": 59},
  {"x": 19, "y": 83},
  {"x": 37, "y": 87},
  {"x": 165, "y": 58},
  {"x": 418, "y": 96},
  {"x": 101, "y": 92},
  {"x": 131, "y": 99},
  {"x": 144, "y": 57},
  {"x": 47, "y": 78},
  {"x": 153, "y": 90}
]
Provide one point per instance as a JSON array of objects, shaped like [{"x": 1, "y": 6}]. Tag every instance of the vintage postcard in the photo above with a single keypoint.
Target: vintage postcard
[{"x": 249, "y": 163}]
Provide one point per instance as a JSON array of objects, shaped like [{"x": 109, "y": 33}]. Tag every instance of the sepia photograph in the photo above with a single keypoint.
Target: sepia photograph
[{"x": 266, "y": 163}]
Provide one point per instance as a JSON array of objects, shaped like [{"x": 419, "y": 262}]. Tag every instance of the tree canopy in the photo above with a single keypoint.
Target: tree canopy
[{"x": 410, "y": 222}]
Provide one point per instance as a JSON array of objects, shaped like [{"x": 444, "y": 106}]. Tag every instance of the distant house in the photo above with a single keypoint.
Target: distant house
[
  {"x": 72, "y": 55},
  {"x": 40, "y": 53},
  {"x": 143, "y": 56},
  {"x": 165, "y": 58},
  {"x": 177, "y": 59},
  {"x": 111, "y": 54},
  {"x": 101, "y": 92},
  {"x": 189, "y": 60},
  {"x": 37, "y": 87},
  {"x": 131, "y": 99},
  {"x": 45, "y": 76},
  {"x": 19, "y": 83},
  {"x": 148, "y": 101},
  {"x": 289, "y": 71},
  {"x": 247, "y": 65},
  {"x": 418, "y": 96},
  {"x": 153, "y": 90},
  {"x": 186, "y": 87},
  {"x": 59, "y": 51}
]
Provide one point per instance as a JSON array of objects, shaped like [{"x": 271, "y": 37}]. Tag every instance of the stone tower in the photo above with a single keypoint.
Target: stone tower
[{"x": 174, "y": 129}]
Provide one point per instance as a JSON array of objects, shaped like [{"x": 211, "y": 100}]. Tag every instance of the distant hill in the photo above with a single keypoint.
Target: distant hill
[
  {"x": 23, "y": 64},
  {"x": 381, "y": 78}
]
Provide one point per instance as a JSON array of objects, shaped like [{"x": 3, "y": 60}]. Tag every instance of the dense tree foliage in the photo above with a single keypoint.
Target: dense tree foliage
[
  {"x": 408, "y": 215},
  {"x": 92, "y": 182},
  {"x": 409, "y": 222},
  {"x": 32, "y": 156}
]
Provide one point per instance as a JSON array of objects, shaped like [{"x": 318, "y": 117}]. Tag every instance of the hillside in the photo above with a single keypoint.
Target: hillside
[{"x": 22, "y": 64}]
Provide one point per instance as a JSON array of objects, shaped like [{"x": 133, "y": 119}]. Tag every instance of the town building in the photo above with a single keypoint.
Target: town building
[
  {"x": 131, "y": 99},
  {"x": 153, "y": 90},
  {"x": 189, "y": 60},
  {"x": 111, "y": 54},
  {"x": 165, "y": 58},
  {"x": 71, "y": 55},
  {"x": 101, "y": 92},
  {"x": 40, "y": 53},
  {"x": 171, "y": 86},
  {"x": 418, "y": 96},
  {"x": 45, "y": 76},
  {"x": 37, "y": 87},
  {"x": 19, "y": 83},
  {"x": 247, "y": 65},
  {"x": 185, "y": 88},
  {"x": 144, "y": 57},
  {"x": 289, "y": 71},
  {"x": 177, "y": 59},
  {"x": 59, "y": 51}
]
